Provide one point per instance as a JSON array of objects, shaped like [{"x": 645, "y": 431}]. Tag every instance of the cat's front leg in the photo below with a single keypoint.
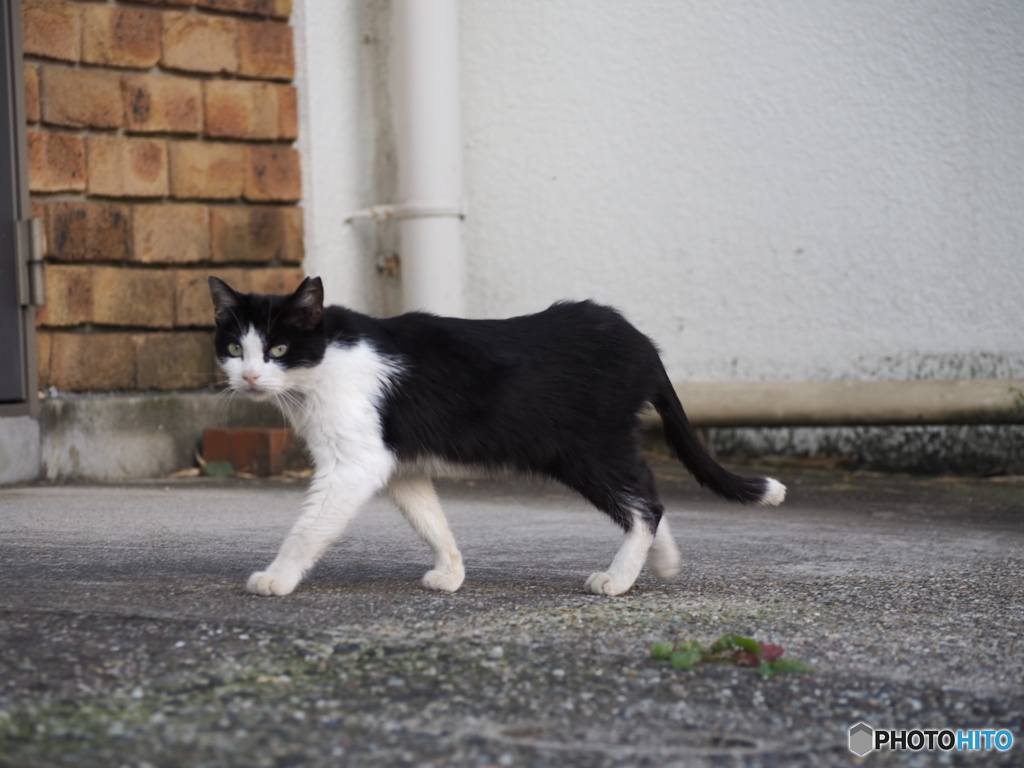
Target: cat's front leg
[
  {"x": 279, "y": 579},
  {"x": 331, "y": 503}
]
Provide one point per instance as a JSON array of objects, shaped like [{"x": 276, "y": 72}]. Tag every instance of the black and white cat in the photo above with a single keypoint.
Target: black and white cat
[{"x": 387, "y": 404}]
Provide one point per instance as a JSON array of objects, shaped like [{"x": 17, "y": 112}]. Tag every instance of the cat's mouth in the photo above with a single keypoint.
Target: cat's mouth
[{"x": 254, "y": 391}]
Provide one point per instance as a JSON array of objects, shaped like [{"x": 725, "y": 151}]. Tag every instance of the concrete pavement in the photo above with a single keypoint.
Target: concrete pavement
[{"x": 126, "y": 637}]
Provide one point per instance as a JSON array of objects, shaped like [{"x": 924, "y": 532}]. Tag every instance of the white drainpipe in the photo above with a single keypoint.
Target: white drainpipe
[{"x": 428, "y": 138}]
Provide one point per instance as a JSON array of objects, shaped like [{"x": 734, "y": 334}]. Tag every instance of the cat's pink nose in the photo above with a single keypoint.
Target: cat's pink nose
[{"x": 251, "y": 377}]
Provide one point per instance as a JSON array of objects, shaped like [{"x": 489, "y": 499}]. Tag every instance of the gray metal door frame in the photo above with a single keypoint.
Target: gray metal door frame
[{"x": 18, "y": 371}]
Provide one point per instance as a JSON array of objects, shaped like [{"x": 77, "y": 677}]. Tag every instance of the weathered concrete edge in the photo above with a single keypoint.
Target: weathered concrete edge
[{"x": 119, "y": 437}]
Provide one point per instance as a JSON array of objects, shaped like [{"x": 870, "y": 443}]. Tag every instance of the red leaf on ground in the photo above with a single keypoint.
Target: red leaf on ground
[
  {"x": 770, "y": 652},
  {"x": 745, "y": 659}
]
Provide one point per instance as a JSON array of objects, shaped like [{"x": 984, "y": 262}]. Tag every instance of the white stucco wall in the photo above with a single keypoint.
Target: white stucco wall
[{"x": 784, "y": 191}]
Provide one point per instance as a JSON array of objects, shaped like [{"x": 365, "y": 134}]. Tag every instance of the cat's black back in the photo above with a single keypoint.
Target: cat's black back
[{"x": 522, "y": 392}]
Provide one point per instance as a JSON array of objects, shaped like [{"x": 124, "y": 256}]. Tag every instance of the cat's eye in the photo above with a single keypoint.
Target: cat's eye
[
  {"x": 279, "y": 350},
  {"x": 235, "y": 350}
]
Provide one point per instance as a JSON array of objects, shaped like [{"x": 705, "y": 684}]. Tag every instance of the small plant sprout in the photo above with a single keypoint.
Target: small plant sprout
[{"x": 728, "y": 649}]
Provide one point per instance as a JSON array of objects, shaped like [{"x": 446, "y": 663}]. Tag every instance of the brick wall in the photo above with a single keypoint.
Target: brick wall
[{"x": 160, "y": 152}]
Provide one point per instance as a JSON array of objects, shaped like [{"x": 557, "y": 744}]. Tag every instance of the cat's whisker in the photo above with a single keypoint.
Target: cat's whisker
[
  {"x": 221, "y": 392},
  {"x": 222, "y": 397},
  {"x": 287, "y": 401}
]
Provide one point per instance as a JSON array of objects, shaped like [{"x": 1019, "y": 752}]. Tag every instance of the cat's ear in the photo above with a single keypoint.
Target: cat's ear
[
  {"x": 226, "y": 300},
  {"x": 306, "y": 305}
]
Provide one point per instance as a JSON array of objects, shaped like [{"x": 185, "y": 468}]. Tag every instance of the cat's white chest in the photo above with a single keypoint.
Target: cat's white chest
[{"x": 340, "y": 412}]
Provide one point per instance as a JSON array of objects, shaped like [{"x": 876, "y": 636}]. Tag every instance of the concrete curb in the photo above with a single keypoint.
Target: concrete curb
[{"x": 103, "y": 438}]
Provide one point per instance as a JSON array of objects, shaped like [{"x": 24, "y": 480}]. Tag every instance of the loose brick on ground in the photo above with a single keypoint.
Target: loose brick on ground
[{"x": 259, "y": 451}]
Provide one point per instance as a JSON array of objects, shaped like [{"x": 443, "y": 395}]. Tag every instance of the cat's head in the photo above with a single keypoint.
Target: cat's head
[{"x": 265, "y": 343}]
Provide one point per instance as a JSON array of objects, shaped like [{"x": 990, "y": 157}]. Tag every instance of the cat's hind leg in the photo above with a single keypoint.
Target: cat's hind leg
[
  {"x": 628, "y": 562},
  {"x": 623, "y": 487},
  {"x": 664, "y": 553},
  {"x": 417, "y": 499}
]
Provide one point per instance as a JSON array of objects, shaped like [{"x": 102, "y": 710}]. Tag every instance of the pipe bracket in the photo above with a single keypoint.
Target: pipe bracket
[{"x": 414, "y": 209}]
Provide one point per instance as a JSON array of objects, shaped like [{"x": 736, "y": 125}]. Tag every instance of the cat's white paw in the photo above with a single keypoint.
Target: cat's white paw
[
  {"x": 272, "y": 583},
  {"x": 602, "y": 583},
  {"x": 444, "y": 580}
]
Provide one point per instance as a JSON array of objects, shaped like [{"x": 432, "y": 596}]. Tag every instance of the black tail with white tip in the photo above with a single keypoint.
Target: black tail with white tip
[{"x": 684, "y": 441}]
